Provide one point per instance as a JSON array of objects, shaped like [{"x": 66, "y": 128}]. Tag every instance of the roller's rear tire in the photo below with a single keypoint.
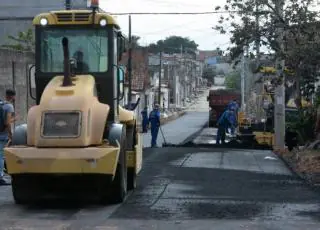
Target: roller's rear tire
[
  {"x": 131, "y": 142},
  {"x": 132, "y": 179},
  {"x": 117, "y": 192},
  {"x": 23, "y": 190}
]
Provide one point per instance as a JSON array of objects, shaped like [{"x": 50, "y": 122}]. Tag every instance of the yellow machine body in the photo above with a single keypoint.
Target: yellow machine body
[
  {"x": 74, "y": 153},
  {"x": 74, "y": 17},
  {"x": 264, "y": 138},
  {"x": 68, "y": 134},
  {"x": 85, "y": 153}
]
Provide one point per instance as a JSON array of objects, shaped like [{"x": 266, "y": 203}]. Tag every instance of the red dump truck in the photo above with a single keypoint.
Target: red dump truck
[{"x": 218, "y": 100}]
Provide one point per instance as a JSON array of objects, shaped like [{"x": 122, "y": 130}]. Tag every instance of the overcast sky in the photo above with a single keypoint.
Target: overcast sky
[{"x": 152, "y": 28}]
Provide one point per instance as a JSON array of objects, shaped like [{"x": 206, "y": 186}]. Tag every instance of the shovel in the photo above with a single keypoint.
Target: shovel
[{"x": 165, "y": 143}]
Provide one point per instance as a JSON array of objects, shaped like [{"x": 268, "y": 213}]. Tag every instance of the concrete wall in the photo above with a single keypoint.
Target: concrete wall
[
  {"x": 219, "y": 80},
  {"x": 11, "y": 10},
  {"x": 14, "y": 74}
]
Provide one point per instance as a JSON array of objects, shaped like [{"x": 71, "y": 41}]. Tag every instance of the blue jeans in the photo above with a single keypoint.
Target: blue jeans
[
  {"x": 221, "y": 134},
  {"x": 232, "y": 130},
  {"x": 154, "y": 135},
  {"x": 2, "y": 144}
]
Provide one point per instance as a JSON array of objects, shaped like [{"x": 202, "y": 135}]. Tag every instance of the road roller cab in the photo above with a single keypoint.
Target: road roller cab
[{"x": 77, "y": 134}]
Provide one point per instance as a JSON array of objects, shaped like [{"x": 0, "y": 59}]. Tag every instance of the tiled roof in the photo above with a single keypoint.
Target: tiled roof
[{"x": 203, "y": 54}]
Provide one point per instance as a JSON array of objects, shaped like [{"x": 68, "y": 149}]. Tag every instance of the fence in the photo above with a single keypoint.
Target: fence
[{"x": 14, "y": 71}]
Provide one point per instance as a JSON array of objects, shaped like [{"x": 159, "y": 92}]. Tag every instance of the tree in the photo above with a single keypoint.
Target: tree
[
  {"x": 233, "y": 80},
  {"x": 24, "y": 41},
  {"x": 174, "y": 44},
  {"x": 299, "y": 38},
  {"x": 209, "y": 73},
  {"x": 135, "y": 41},
  {"x": 220, "y": 72}
]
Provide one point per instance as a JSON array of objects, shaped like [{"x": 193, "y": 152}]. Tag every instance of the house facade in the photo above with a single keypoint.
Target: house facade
[{"x": 140, "y": 83}]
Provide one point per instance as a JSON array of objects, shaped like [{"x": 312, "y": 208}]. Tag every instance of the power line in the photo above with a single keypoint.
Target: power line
[
  {"x": 172, "y": 28},
  {"x": 176, "y": 13},
  {"x": 135, "y": 13}
]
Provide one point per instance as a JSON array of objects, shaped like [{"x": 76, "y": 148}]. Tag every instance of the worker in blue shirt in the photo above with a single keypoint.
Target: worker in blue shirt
[
  {"x": 233, "y": 105},
  {"x": 154, "y": 119},
  {"x": 223, "y": 123},
  {"x": 145, "y": 120}
]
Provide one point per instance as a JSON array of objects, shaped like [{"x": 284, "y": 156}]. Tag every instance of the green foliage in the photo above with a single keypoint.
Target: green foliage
[
  {"x": 174, "y": 44},
  {"x": 134, "y": 40},
  {"x": 209, "y": 73},
  {"x": 24, "y": 41},
  {"x": 304, "y": 125},
  {"x": 220, "y": 72},
  {"x": 233, "y": 80},
  {"x": 300, "y": 25},
  {"x": 317, "y": 98}
]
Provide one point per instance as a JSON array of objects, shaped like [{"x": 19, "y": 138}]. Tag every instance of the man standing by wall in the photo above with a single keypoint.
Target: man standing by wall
[
  {"x": 145, "y": 119},
  {"x": 6, "y": 121}
]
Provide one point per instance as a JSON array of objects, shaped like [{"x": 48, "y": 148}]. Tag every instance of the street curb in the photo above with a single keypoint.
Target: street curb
[
  {"x": 299, "y": 175},
  {"x": 226, "y": 146},
  {"x": 172, "y": 118},
  {"x": 165, "y": 120}
]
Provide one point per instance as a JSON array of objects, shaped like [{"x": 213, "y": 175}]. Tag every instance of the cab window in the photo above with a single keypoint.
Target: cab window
[{"x": 89, "y": 47}]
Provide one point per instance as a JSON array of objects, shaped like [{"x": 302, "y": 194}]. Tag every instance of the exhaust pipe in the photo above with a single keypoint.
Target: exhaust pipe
[{"x": 66, "y": 73}]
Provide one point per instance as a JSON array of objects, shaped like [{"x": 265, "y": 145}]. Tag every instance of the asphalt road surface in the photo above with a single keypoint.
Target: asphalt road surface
[
  {"x": 188, "y": 188},
  {"x": 208, "y": 136}
]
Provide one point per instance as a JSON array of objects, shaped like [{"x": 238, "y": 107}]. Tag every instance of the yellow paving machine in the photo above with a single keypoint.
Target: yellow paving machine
[
  {"x": 77, "y": 138},
  {"x": 261, "y": 133}
]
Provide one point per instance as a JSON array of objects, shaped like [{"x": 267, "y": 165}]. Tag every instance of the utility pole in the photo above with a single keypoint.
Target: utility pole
[
  {"x": 279, "y": 107},
  {"x": 181, "y": 77},
  {"x": 68, "y": 4},
  {"x": 130, "y": 64},
  {"x": 257, "y": 41},
  {"x": 242, "y": 80},
  {"x": 160, "y": 71},
  {"x": 259, "y": 87}
]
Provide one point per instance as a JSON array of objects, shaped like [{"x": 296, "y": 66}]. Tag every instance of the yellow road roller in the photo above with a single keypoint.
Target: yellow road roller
[{"x": 78, "y": 139}]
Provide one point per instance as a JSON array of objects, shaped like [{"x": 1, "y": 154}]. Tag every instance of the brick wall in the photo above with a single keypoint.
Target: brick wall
[
  {"x": 14, "y": 74},
  {"x": 140, "y": 74}
]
